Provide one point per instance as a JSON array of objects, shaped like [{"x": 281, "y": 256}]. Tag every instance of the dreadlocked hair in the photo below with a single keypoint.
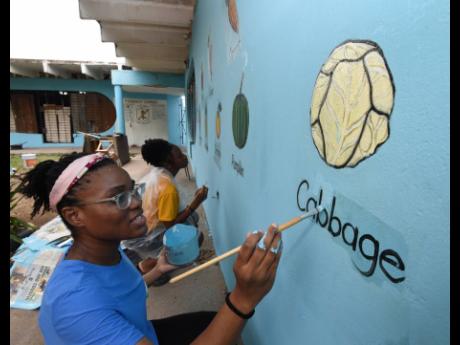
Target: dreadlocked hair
[
  {"x": 156, "y": 151},
  {"x": 38, "y": 182}
]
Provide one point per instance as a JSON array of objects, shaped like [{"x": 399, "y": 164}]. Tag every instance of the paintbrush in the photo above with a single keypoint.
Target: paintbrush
[{"x": 233, "y": 251}]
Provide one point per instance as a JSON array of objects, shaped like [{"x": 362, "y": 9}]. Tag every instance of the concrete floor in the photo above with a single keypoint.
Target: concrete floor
[{"x": 203, "y": 291}]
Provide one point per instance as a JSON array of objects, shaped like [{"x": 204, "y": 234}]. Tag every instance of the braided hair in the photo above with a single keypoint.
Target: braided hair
[
  {"x": 38, "y": 183},
  {"x": 156, "y": 151}
]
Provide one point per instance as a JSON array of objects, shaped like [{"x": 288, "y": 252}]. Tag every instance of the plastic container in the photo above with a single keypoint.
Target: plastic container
[
  {"x": 181, "y": 244},
  {"x": 29, "y": 160}
]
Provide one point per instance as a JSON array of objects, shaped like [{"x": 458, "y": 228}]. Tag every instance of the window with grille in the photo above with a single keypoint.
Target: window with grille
[{"x": 57, "y": 124}]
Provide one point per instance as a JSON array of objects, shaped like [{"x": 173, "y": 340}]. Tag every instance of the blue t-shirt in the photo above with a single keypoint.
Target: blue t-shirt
[{"x": 84, "y": 303}]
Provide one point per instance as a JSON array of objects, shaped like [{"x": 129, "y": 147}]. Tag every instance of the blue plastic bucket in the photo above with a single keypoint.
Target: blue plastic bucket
[{"x": 181, "y": 244}]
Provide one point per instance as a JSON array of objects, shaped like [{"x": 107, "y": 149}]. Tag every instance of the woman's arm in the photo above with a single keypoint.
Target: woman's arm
[
  {"x": 181, "y": 217},
  {"x": 200, "y": 196},
  {"x": 255, "y": 271}
]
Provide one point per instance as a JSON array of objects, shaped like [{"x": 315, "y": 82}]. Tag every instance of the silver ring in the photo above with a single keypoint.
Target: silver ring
[
  {"x": 261, "y": 243},
  {"x": 278, "y": 248}
]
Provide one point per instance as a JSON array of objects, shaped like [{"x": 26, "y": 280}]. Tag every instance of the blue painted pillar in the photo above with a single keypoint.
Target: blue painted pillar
[{"x": 120, "y": 120}]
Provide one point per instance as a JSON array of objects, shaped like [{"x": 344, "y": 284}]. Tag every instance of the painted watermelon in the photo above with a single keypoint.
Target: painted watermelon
[{"x": 240, "y": 120}]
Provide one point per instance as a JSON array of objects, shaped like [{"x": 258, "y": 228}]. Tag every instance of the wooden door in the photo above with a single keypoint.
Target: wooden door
[{"x": 25, "y": 118}]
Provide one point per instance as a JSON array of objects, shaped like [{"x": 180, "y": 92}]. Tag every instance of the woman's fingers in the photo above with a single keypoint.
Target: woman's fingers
[
  {"x": 272, "y": 253},
  {"x": 274, "y": 264},
  {"x": 202, "y": 193},
  {"x": 274, "y": 267},
  {"x": 263, "y": 247},
  {"x": 247, "y": 248},
  {"x": 255, "y": 267}
]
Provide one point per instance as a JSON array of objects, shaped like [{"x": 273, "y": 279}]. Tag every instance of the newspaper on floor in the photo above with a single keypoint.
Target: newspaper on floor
[
  {"x": 49, "y": 232},
  {"x": 28, "y": 279},
  {"x": 35, "y": 261}
]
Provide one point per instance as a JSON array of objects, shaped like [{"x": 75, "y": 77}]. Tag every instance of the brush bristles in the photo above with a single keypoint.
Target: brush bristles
[{"x": 313, "y": 212}]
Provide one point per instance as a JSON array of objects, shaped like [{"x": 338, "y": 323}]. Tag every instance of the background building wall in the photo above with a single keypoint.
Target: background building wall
[{"x": 164, "y": 127}]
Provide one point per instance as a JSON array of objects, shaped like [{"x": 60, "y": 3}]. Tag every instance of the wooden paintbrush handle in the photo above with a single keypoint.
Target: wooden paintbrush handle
[
  {"x": 292, "y": 222},
  {"x": 219, "y": 258},
  {"x": 206, "y": 264}
]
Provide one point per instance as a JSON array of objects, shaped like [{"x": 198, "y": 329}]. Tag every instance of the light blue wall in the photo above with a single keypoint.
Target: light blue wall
[
  {"x": 104, "y": 87},
  {"x": 400, "y": 195}
]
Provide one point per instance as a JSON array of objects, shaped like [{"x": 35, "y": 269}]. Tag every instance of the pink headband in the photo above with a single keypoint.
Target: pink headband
[{"x": 70, "y": 176}]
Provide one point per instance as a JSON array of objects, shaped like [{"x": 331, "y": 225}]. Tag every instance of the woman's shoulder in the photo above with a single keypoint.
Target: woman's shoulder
[
  {"x": 157, "y": 179},
  {"x": 68, "y": 275},
  {"x": 72, "y": 278}
]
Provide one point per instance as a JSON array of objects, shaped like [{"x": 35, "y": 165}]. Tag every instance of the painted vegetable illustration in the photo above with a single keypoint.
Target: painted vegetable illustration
[
  {"x": 218, "y": 130},
  {"x": 351, "y": 104},
  {"x": 240, "y": 118},
  {"x": 233, "y": 15}
]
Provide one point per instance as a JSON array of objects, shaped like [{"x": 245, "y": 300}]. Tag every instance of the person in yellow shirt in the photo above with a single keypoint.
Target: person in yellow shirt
[{"x": 161, "y": 201}]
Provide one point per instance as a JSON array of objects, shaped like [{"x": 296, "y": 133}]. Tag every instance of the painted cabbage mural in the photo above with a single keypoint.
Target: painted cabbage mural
[{"x": 351, "y": 104}]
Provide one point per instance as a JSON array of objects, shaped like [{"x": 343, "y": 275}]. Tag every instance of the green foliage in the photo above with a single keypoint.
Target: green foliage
[
  {"x": 17, "y": 163},
  {"x": 17, "y": 225}
]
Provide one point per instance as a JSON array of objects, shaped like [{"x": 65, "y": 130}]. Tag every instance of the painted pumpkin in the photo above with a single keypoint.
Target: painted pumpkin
[
  {"x": 240, "y": 120},
  {"x": 351, "y": 104},
  {"x": 233, "y": 15}
]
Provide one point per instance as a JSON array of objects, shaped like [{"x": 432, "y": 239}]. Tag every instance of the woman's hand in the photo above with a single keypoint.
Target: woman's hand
[
  {"x": 163, "y": 265},
  {"x": 200, "y": 195},
  {"x": 255, "y": 269}
]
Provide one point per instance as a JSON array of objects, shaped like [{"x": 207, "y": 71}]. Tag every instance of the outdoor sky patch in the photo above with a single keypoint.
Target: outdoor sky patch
[{"x": 351, "y": 104}]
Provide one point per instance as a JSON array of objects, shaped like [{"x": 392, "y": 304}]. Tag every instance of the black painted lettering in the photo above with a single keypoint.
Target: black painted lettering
[
  {"x": 307, "y": 207},
  {"x": 387, "y": 255},
  {"x": 355, "y": 235},
  {"x": 368, "y": 245},
  {"x": 320, "y": 199},
  {"x": 372, "y": 257},
  {"x": 332, "y": 219},
  {"x": 318, "y": 219},
  {"x": 304, "y": 182}
]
